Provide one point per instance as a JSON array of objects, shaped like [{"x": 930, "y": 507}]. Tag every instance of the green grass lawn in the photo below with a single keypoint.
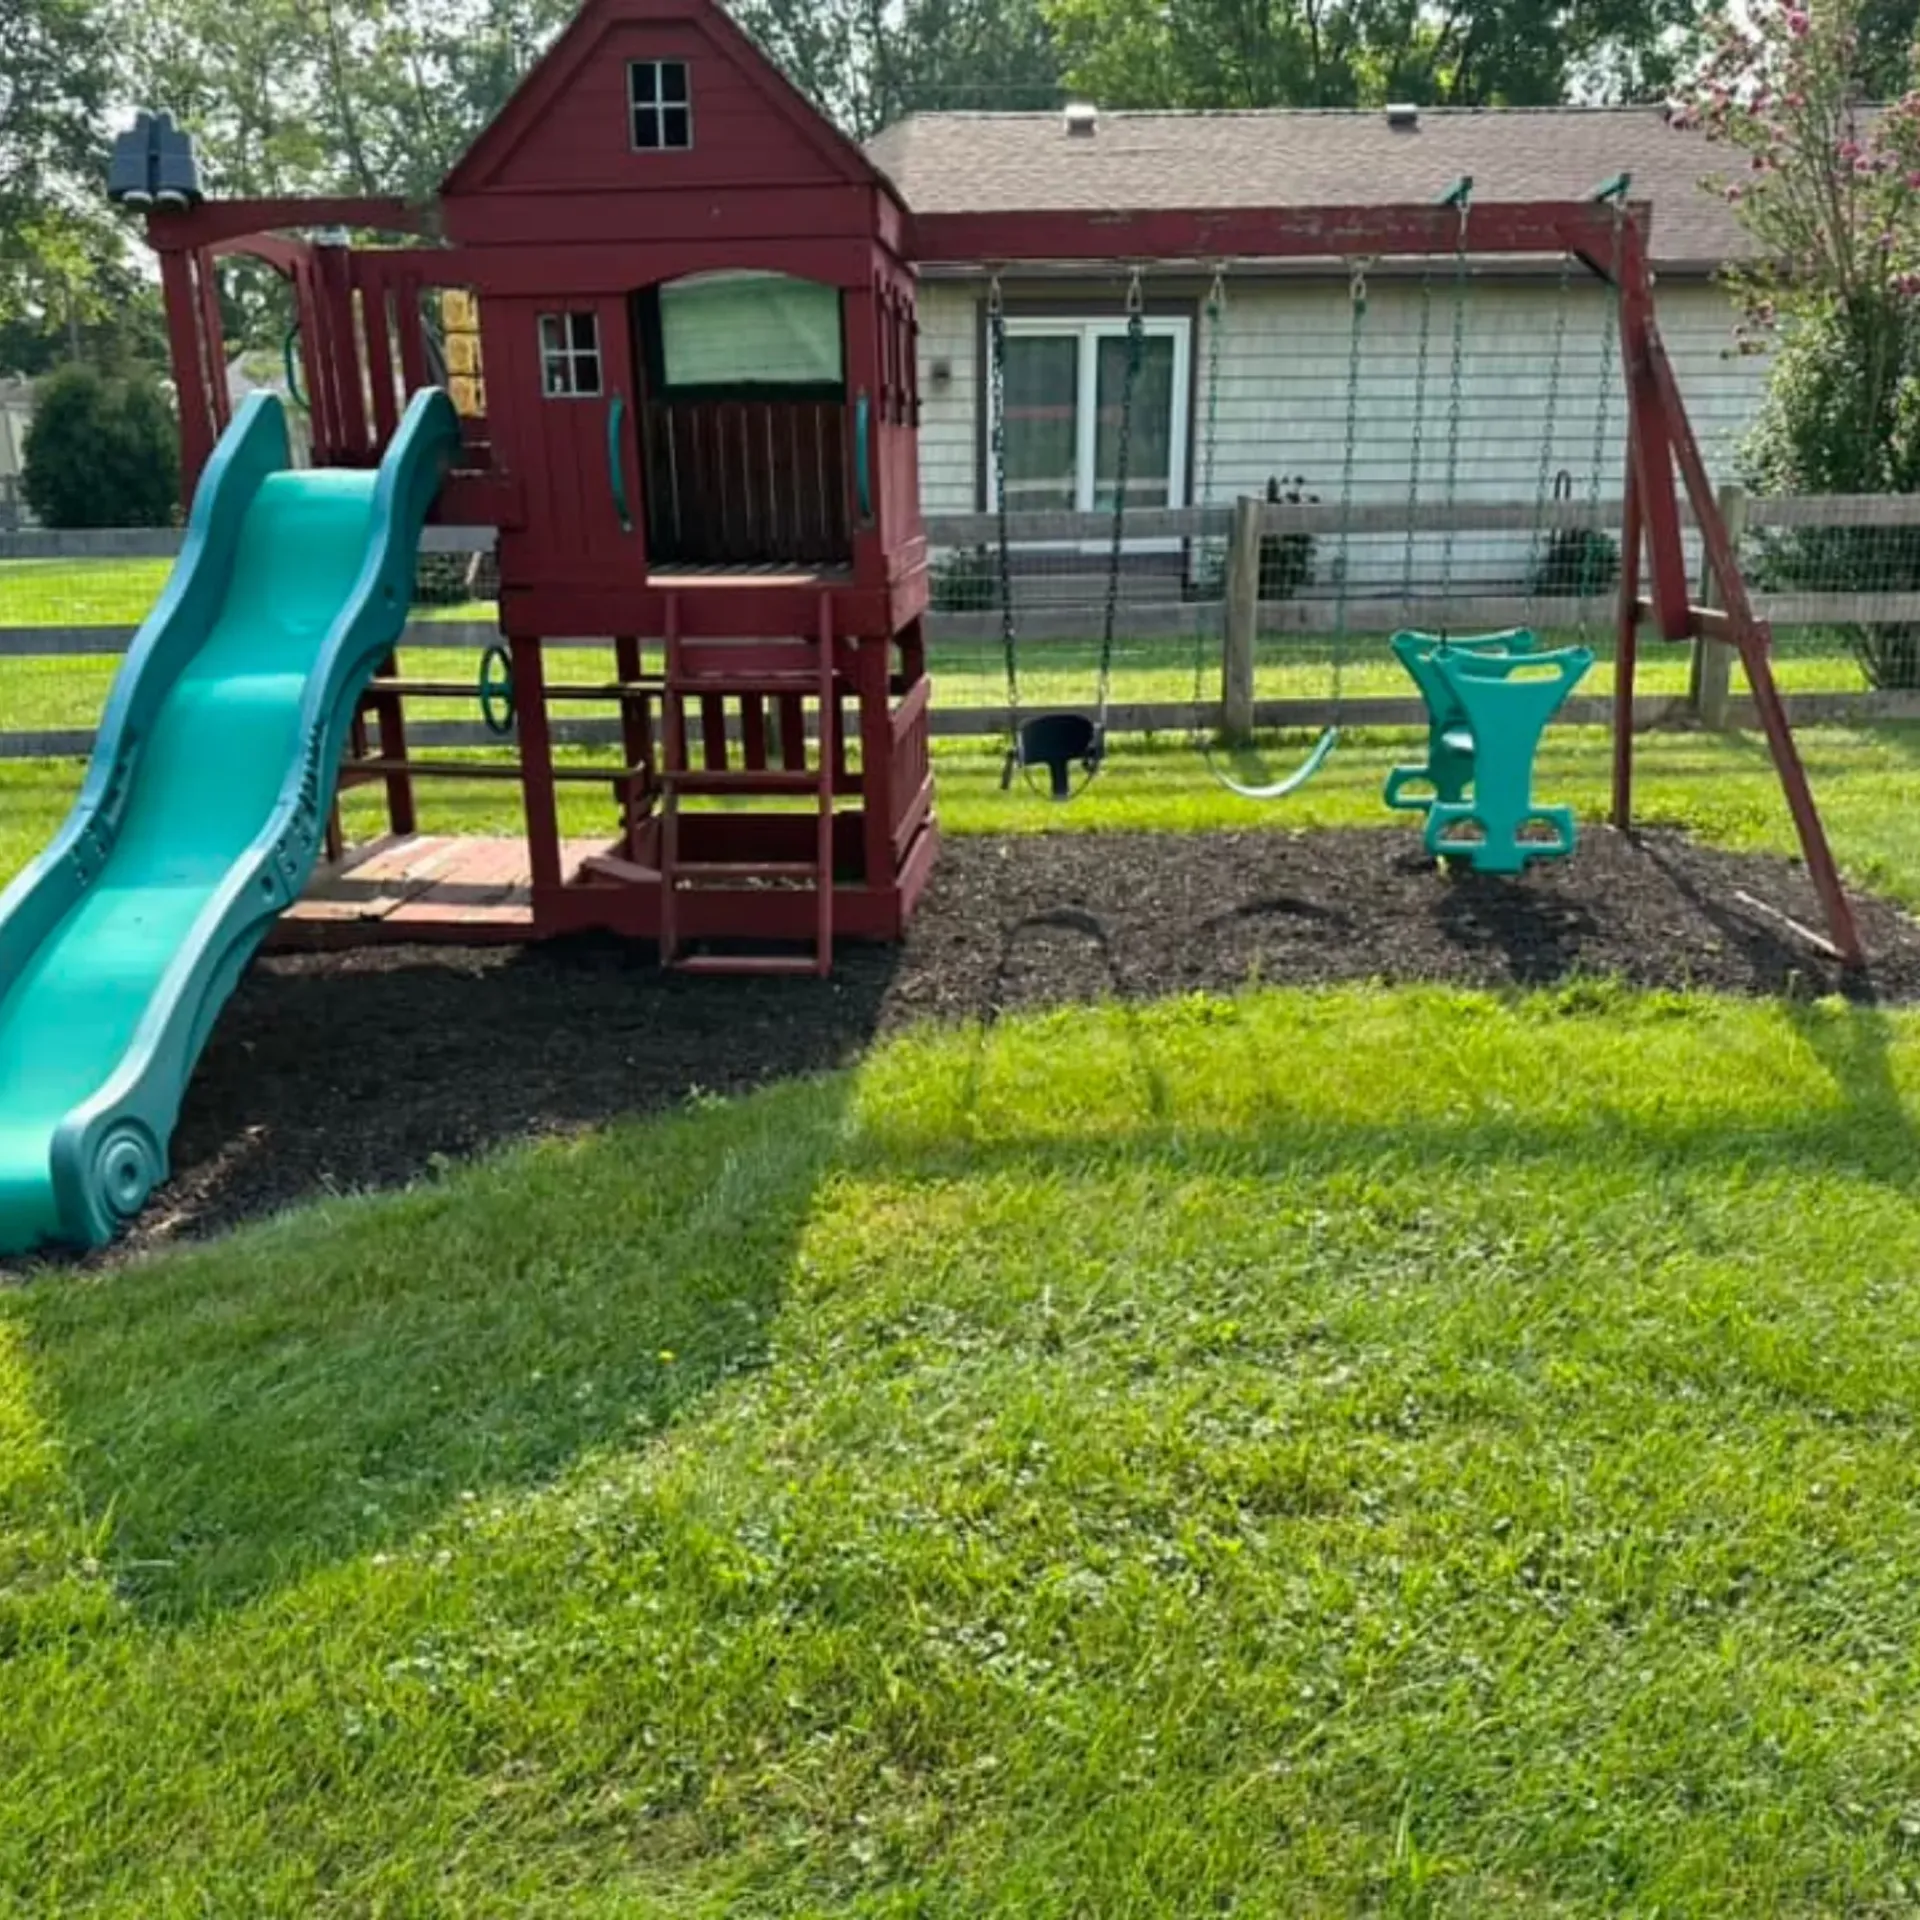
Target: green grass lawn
[{"x": 1405, "y": 1453}]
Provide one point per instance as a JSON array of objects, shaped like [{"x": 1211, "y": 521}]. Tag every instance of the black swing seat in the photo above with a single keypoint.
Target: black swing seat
[{"x": 1059, "y": 742}]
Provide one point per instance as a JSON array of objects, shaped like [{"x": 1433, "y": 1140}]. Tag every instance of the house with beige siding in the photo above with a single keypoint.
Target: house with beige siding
[{"x": 1489, "y": 381}]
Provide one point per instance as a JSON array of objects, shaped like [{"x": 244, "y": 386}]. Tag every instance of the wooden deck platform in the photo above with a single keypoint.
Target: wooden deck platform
[
  {"x": 435, "y": 889},
  {"x": 420, "y": 884}
]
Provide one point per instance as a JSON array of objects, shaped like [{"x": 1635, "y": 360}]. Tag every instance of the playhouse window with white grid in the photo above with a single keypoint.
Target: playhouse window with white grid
[
  {"x": 569, "y": 355},
  {"x": 1066, "y": 380},
  {"x": 661, "y": 105}
]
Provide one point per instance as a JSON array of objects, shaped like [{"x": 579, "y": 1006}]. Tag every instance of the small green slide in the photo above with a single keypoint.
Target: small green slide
[{"x": 202, "y": 812}]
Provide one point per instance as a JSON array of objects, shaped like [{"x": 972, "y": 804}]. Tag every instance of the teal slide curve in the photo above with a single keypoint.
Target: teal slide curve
[{"x": 202, "y": 812}]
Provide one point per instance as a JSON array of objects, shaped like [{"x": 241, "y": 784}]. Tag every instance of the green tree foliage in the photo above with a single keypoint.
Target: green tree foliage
[
  {"x": 1306, "y": 53},
  {"x": 1887, "y": 29},
  {"x": 101, "y": 452},
  {"x": 867, "y": 64},
  {"x": 1832, "y": 194},
  {"x": 54, "y": 82},
  {"x": 345, "y": 96}
]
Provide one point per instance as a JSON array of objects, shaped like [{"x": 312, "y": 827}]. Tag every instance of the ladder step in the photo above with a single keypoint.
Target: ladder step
[
  {"x": 703, "y": 780},
  {"x": 610, "y": 866},
  {"x": 737, "y": 965},
  {"x": 747, "y": 870}
]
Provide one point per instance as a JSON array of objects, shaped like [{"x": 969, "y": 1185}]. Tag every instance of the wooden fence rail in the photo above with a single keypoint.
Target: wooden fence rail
[{"x": 1148, "y": 611}]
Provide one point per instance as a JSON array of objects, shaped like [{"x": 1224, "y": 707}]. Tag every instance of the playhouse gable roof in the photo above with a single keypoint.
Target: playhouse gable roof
[{"x": 520, "y": 146}]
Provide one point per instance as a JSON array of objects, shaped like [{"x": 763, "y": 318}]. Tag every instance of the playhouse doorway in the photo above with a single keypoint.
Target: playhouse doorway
[{"x": 744, "y": 423}]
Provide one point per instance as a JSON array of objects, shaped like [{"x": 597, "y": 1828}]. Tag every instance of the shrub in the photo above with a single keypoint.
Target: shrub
[
  {"x": 1577, "y": 563},
  {"x": 1832, "y": 195},
  {"x": 1287, "y": 559},
  {"x": 1842, "y": 415},
  {"x": 101, "y": 453},
  {"x": 965, "y": 581}
]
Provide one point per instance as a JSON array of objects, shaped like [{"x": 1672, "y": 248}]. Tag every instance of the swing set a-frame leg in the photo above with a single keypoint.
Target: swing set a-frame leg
[{"x": 1664, "y": 439}]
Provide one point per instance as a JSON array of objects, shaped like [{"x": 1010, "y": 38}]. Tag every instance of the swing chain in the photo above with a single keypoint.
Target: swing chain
[
  {"x": 997, "y": 438},
  {"x": 1122, "y": 462},
  {"x": 1418, "y": 451},
  {"x": 1357, "y": 294},
  {"x": 1454, "y": 393},
  {"x": 1544, "y": 479},
  {"x": 1216, "y": 312}
]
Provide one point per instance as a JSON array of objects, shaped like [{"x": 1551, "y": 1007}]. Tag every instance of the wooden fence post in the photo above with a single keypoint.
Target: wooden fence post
[
  {"x": 1710, "y": 676},
  {"x": 1242, "y": 623}
]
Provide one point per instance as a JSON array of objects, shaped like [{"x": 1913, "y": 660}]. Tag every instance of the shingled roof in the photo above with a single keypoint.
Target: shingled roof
[{"x": 1007, "y": 162}]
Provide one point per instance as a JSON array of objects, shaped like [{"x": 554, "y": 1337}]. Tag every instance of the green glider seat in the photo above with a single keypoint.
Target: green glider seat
[
  {"x": 1507, "y": 701},
  {"x": 1448, "y": 768}
]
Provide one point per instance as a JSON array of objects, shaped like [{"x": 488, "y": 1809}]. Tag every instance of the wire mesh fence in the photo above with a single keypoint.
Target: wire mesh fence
[{"x": 1433, "y": 460}]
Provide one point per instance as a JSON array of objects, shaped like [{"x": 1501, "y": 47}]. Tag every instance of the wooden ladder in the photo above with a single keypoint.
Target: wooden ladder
[{"x": 679, "y": 877}]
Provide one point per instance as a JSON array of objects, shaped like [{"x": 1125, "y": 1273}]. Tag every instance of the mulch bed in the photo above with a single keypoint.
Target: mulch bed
[{"x": 363, "y": 1070}]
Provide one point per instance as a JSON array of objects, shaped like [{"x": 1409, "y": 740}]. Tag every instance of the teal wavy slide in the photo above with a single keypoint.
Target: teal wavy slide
[{"x": 202, "y": 812}]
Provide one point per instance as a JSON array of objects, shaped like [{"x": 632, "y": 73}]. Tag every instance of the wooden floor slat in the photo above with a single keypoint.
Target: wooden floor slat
[{"x": 406, "y": 878}]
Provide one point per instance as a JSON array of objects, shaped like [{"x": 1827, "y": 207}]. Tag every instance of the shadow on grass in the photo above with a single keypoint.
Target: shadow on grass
[
  {"x": 331, "y": 1382},
  {"x": 1313, "y": 1144},
  {"x": 1856, "y": 1048}
]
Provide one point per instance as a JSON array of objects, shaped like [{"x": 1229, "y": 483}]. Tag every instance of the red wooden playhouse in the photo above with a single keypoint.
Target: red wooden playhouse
[
  {"x": 682, "y": 337},
  {"x": 690, "y": 413}
]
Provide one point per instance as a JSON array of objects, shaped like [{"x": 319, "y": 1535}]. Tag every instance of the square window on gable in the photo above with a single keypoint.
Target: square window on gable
[{"x": 660, "y": 104}]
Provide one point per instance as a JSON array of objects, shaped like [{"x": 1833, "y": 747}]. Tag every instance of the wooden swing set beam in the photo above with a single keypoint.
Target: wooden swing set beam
[{"x": 1547, "y": 227}]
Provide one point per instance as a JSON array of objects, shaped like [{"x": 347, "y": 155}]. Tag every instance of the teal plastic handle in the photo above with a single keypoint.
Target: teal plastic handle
[
  {"x": 616, "y": 464},
  {"x": 863, "y": 454},
  {"x": 496, "y": 690}
]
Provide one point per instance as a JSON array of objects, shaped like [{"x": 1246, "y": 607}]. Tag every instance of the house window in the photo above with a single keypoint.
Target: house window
[
  {"x": 1066, "y": 380},
  {"x": 661, "y": 105},
  {"x": 569, "y": 355}
]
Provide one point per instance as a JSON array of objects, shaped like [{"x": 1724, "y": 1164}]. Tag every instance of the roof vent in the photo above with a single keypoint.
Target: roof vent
[
  {"x": 1083, "y": 120},
  {"x": 1405, "y": 116}
]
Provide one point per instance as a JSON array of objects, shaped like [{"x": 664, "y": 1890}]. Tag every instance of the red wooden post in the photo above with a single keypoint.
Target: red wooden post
[
  {"x": 343, "y": 350},
  {"x": 413, "y": 353},
  {"x": 793, "y": 733},
  {"x": 213, "y": 340},
  {"x": 879, "y": 803},
  {"x": 1754, "y": 641},
  {"x": 753, "y": 732},
  {"x": 536, "y": 761},
  {"x": 1650, "y": 424},
  {"x": 1756, "y": 652},
  {"x": 315, "y": 364},
  {"x": 373, "y": 316},
  {"x": 390, "y": 716},
  {"x": 189, "y": 368},
  {"x": 1626, "y": 648},
  {"x": 636, "y": 737},
  {"x": 713, "y": 732}
]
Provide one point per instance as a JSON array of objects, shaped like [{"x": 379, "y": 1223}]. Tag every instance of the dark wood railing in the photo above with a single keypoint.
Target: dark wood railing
[{"x": 747, "y": 483}]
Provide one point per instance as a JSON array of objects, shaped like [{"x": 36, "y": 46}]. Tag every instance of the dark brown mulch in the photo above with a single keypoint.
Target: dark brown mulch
[{"x": 363, "y": 1070}]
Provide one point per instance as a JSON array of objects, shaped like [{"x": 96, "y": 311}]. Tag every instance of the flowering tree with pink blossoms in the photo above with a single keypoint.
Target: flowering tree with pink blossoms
[{"x": 1828, "y": 185}]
